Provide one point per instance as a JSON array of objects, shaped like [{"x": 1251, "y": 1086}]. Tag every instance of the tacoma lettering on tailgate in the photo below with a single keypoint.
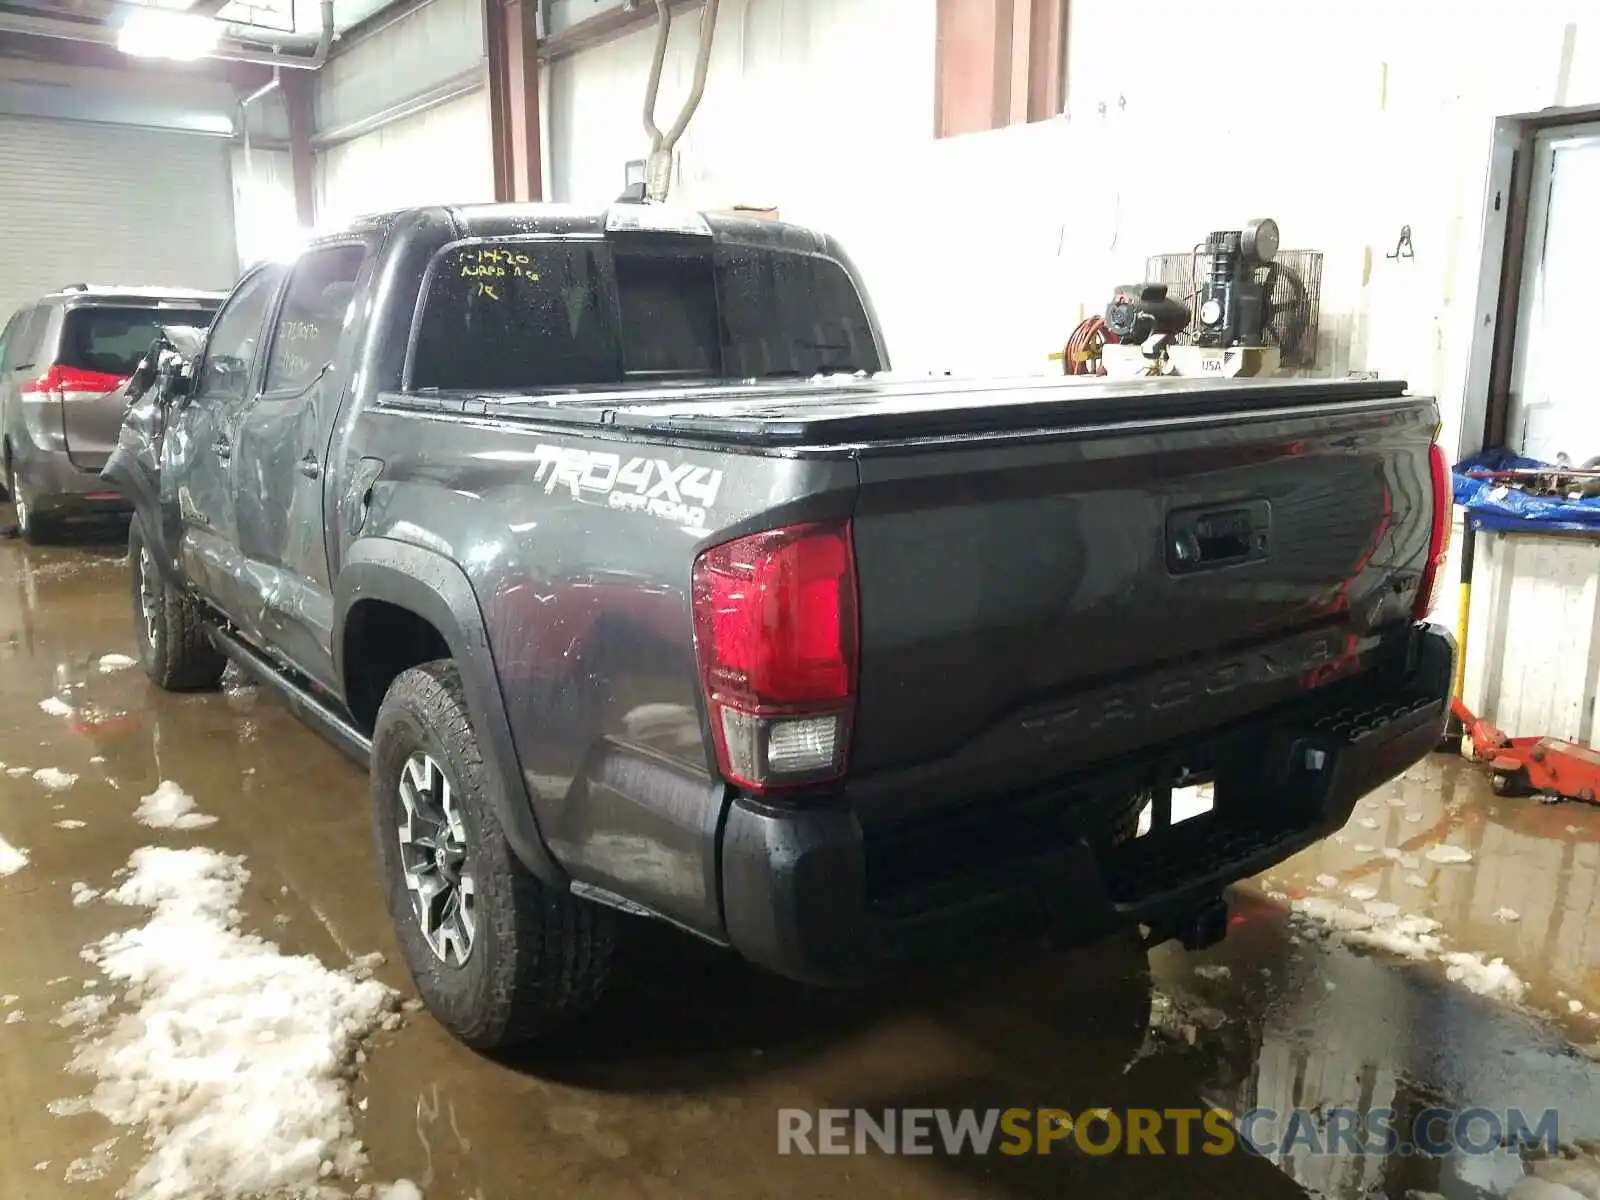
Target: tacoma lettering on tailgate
[{"x": 674, "y": 491}]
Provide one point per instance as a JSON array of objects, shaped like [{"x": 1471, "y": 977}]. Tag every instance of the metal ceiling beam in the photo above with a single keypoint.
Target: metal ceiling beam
[{"x": 605, "y": 27}]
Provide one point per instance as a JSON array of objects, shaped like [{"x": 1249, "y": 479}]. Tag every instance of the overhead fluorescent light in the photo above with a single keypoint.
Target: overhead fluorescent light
[{"x": 165, "y": 33}]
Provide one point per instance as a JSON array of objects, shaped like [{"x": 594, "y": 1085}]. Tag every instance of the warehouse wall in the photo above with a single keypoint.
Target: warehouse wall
[
  {"x": 1344, "y": 123},
  {"x": 441, "y": 154}
]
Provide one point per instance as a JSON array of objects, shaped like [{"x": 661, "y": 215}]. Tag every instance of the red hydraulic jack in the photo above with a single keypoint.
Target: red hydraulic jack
[{"x": 1525, "y": 766}]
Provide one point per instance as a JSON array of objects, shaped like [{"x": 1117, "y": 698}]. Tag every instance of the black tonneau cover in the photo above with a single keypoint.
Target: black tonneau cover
[{"x": 834, "y": 411}]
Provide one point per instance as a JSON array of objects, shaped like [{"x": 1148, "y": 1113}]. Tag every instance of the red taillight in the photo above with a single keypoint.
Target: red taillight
[
  {"x": 68, "y": 382},
  {"x": 1439, "y": 537},
  {"x": 775, "y": 629}
]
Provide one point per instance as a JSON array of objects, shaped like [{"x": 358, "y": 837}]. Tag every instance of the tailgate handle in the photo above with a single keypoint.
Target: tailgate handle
[{"x": 1202, "y": 539}]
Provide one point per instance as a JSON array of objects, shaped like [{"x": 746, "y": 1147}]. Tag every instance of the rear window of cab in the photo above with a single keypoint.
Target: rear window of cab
[{"x": 525, "y": 315}]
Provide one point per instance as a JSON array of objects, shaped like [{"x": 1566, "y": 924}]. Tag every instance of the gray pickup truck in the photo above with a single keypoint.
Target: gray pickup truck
[{"x": 604, "y": 539}]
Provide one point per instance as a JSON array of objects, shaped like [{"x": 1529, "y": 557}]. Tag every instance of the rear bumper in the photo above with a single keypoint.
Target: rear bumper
[
  {"x": 798, "y": 887},
  {"x": 57, "y": 487}
]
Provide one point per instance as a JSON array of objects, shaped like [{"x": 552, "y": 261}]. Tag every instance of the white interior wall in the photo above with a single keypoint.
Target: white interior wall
[
  {"x": 1343, "y": 122},
  {"x": 441, "y": 156},
  {"x": 434, "y": 43},
  {"x": 265, "y": 221}
]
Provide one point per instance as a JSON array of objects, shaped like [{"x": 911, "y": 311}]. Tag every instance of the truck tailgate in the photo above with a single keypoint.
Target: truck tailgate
[{"x": 1030, "y": 604}]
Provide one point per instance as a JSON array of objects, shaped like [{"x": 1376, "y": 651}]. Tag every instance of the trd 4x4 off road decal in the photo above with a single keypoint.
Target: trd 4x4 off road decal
[{"x": 674, "y": 491}]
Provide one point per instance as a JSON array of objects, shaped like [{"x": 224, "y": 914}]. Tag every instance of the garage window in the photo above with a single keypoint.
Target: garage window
[{"x": 524, "y": 316}]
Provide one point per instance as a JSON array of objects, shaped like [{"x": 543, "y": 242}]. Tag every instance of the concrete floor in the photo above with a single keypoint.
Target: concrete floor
[{"x": 671, "y": 1090}]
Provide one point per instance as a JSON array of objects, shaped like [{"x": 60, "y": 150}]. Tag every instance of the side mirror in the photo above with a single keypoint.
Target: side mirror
[{"x": 141, "y": 379}]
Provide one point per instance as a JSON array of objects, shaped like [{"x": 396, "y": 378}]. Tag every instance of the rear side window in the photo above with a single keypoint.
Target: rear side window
[
  {"x": 531, "y": 315},
  {"x": 312, "y": 316},
  {"x": 22, "y": 347},
  {"x": 112, "y": 340}
]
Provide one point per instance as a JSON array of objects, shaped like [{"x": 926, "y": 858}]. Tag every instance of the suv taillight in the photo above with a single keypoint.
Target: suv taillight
[
  {"x": 62, "y": 383},
  {"x": 1439, "y": 537},
  {"x": 775, "y": 629}
]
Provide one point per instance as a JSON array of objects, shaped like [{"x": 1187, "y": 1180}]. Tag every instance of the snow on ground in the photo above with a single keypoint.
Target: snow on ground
[
  {"x": 12, "y": 859},
  {"x": 55, "y": 707},
  {"x": 116, "y": 662},
  {"x": 69, "y": 823},
  {"x": 1492, "y": 978},
  {"x": 54, "y": 779},
  {"x": 83, "y": 894},
  {"x": 170, "y": 807},
  {"x": 230, "y": 1055},
  {"x": 19, "y": 772},
  {"x": 1574, "y": 1178},
  {"x": 1381, "y": 926},
  {"x": 1448, "y": 855}
]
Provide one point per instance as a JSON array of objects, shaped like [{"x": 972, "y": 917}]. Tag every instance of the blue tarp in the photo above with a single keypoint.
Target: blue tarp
[{"x": 1492, "y": 506}]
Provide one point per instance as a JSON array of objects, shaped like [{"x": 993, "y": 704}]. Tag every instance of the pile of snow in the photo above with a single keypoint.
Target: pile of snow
[
  {"x": 1569, "y": 1178},
  {"x": 1380, "y": 926},
  {"x": 230, "y": 1055},
  {"x": 116, "y": 662},
  {"x": 83, "y": 894},
  {"x": 1448, "y": 855},
  {"x": 1407, "y": 937},
  {"x": 12, "y": 859},
  {"x": 54, "y": 779},
  {"x": 1493, "y": 978},
  {"x": 170, "y": 807},
  {"x": 69, "y": 823},
  {"x": 55, "y": 707}
]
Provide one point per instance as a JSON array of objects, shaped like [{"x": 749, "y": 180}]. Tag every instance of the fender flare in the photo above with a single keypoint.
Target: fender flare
[
  {"x": 138, "y": 489},
  {"x": 436, "y": 589}
]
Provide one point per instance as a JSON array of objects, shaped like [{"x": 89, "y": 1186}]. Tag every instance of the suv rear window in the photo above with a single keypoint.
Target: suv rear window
[
  {"x": 112, "y": 340},
  {"x": 525, "y": 315}
]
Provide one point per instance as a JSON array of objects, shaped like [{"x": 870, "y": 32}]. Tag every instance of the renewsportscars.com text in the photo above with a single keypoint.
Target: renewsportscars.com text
[{"x": 1156, "y": 1131}]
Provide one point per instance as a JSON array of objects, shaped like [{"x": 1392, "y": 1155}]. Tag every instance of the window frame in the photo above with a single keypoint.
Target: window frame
[
  {"x": 199, "y": 390},
  {"x": 425, "y": 287},
  {"x": 369, "y": 249}
]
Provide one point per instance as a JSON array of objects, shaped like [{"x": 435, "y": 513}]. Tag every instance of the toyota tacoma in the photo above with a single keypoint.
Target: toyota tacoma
[{"x": 610, "y": 546}]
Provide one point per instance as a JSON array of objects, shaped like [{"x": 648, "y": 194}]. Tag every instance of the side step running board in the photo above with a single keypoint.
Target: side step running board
[{"x": 331, "y": 724}]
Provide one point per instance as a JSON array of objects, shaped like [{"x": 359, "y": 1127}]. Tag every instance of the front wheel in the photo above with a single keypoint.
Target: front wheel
[
  {"x": 173, "y": 646},
  {"x": 499, "y": 957}
]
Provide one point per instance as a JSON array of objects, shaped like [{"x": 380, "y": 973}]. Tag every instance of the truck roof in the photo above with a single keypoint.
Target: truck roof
[{"x": 522, "y": 220}]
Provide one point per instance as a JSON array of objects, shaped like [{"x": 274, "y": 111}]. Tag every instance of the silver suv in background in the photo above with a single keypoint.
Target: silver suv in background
[{"x": 63, "y": 361}]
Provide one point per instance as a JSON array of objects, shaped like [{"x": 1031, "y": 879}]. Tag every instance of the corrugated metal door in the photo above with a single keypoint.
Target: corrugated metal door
[{"x": 101, "y": 204}]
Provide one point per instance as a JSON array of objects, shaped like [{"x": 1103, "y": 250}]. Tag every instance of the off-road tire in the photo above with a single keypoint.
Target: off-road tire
[
  {"x": 539, "y": 957},
  {"x": 173, "y": 646}
]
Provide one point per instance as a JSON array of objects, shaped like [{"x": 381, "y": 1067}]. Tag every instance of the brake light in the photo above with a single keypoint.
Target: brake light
[
  {"x": 1439, "y": 536},
  {"x": 70, "y": 383},
  {"x": 775, "y": 630}
]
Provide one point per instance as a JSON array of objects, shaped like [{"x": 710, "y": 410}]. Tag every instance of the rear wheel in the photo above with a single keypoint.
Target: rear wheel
[
  {"x": 31, "y": 527},
  {"x": 499, "y": 957},
  {"x": 173, "y": 645}
]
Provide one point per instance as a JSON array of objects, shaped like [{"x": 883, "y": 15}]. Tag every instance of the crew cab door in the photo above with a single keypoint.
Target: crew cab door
[
  {"x": 198, "y": 448},
  {"x": 280, "y": 460}
]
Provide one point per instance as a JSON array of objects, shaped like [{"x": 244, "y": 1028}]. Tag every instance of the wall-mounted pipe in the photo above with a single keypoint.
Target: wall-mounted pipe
[
  {"x": 276, "y": 55},
  {"x": 658, "y": 167},
  {"x": 261, "y": 93}
]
